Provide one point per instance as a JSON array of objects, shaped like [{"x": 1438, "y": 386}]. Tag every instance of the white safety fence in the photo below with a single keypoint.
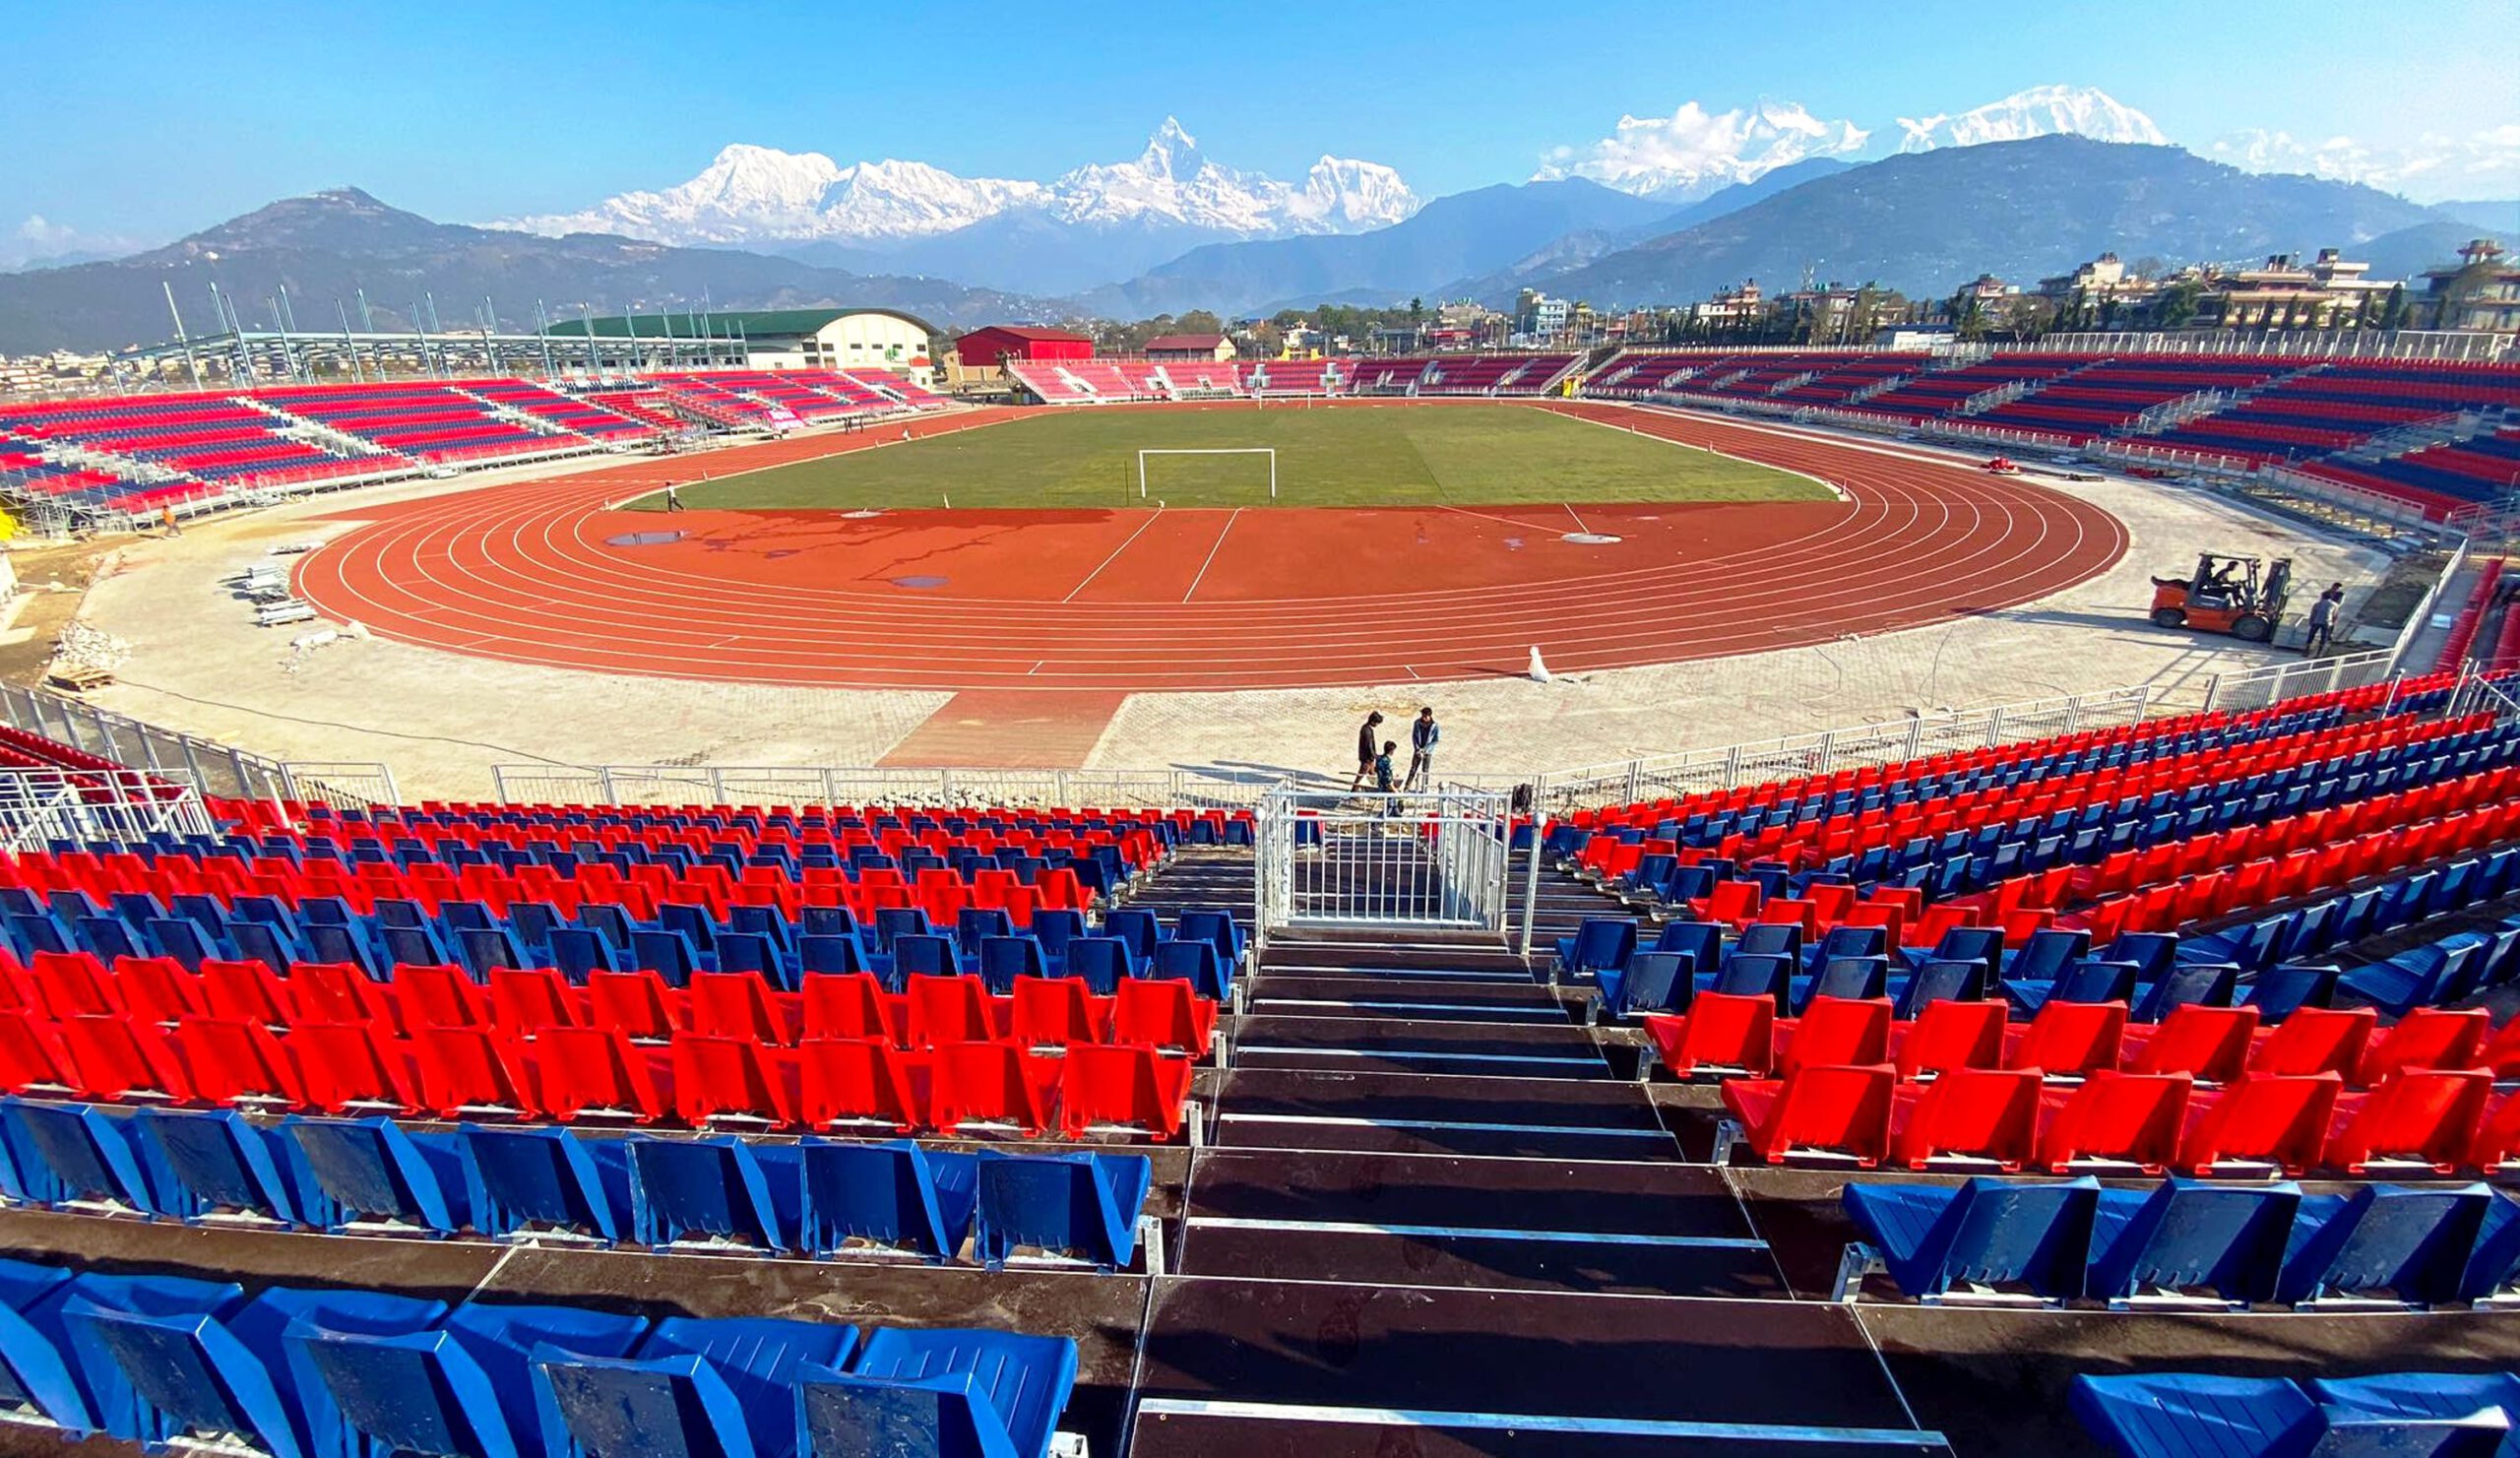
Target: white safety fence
[
  {"x": 40, "y": 806},
  {"x": 1433, "y": 861},
  {"x": 938, "y": 788},
  {"x": 218, "y": 771}
]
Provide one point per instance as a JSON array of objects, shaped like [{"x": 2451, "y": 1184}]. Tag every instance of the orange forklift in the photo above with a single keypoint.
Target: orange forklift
[{"x": 2243, "y": 597}]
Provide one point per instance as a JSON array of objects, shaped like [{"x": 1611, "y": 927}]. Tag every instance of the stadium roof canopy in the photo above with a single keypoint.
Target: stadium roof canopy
[{"x": 723, "y": 323}]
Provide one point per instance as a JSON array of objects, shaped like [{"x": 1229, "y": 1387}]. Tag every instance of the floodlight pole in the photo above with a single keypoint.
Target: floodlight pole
[{"x": 192, "y": 366}]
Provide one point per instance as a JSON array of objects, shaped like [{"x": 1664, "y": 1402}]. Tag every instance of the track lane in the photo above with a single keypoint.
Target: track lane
[{"x": 514, "y": 573}]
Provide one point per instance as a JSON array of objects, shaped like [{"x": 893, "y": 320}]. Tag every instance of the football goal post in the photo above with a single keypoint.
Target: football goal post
[{"x": 1270, "y": 452}]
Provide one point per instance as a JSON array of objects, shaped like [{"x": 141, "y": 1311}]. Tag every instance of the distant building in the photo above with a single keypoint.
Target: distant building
[
  {"x": 979, "y": 357},
  {"x": 1740, "y": 307},
  {"x": 785, "y": 338},
  {"x": 2481, "y": 295},
  {"x": 1537, "y": 317},
  {"x": 1202, "y": 346},
  {"x": 2328, "y": 290}
]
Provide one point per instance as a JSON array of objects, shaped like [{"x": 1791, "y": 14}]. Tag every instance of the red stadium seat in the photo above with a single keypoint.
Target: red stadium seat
[
  {"x": 732, "y": 1080},
  {"x": 1722, "y": 1034},
  {"x": 157, "y": 990},
  {"x": 738, "y": 1004},
  {"x": 246, "y": 992},
  {"x": 954, "y": 1009},
  {"x": 2114, "y": 1122},
  {"x": 325, "y": 992},
  {"x": 439, "y": 996},
  {"x": 469, "y": 1074},
  {"x": 1841, "y": 1114},
  {"x": 1951, "y": 1034},
  {"x": 847, "y": 1005},
  {"x": 1969, "y": 1118},
  {"x": 593, "y": 1072},
  {"x": 524, "y": 1000},
  {"x": 2426, "y": 1038},
  {"x": 2497, "y": 1144},
  {"x": 989, "y": 1084},
  {"x": 635, "y": 1004},
  {"x": 1057, "y": 1012},
  {"x": 236, "y": 1060},
  {"x": 855, "y": 1083},
  {"x": 1112, "y": 1086},
  {"x": 68, "y": 984},
  {"x": 2210, "y": 1044},
  {"x": 31, "y": 1056},
  {"x": 2260, "y": 1121},
  {"x": 1843, "y": 1031},
  {"x": 2068, "y": 1037},
  {"x": 2314, "y": 1040},
  {"x": 1164, "y": 1013},
  {"x": 2425, "y": 1117},
  {"x": 345, "y": 1068},
  {"x": 122, "y": 1059}
]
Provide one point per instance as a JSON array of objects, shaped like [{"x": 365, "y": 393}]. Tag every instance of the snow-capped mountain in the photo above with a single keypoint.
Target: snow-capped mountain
[
  {"x": 1695, "y": 151},
  {"x": 759, "y": 195},
  {"x": 2041, "y": 111}
]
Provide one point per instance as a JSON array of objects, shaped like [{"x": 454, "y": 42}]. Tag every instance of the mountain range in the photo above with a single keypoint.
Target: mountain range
[
  {"x": 1092, "y": 224},
  {"x": 1670, "y": 209}
]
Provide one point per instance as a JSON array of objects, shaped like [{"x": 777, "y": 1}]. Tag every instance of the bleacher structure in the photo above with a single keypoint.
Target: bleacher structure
[
  {"x": 1998, "y": 1101},
  {"x": 1105, "y": 381},
  {"x": 138, "y": 455},
  {"x": 2427, "y": 441}
]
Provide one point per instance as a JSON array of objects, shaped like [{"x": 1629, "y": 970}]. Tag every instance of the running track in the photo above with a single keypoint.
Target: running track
[{"x": 1124, "y": 601}]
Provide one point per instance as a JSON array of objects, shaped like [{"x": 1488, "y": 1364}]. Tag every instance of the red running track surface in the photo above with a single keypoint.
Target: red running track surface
[{"x": 543, "y": 573}]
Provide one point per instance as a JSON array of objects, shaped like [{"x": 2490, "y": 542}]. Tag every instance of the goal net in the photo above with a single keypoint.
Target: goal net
[{"x": 1200, "y": 481}]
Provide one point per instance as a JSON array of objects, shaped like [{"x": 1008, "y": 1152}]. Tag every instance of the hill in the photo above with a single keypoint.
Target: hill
[
  {"x": 1469, "y": 232},
  {"x": 329, "y": 245},
  {"x": 1929, "y": 222}
]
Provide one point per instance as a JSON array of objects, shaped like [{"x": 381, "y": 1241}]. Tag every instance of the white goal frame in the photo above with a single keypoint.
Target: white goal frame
[{"x": 1269, "y": 451}]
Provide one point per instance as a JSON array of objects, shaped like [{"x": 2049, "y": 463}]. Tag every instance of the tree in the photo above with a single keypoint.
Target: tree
[
  {"x": 1199, "y": 320},
  {"x": 2393, "y": 310},
  {"x": 2178, "y": 302}
]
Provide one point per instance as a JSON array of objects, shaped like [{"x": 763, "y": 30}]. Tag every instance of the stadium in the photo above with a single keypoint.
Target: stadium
[{"x": 806, "y": 883}]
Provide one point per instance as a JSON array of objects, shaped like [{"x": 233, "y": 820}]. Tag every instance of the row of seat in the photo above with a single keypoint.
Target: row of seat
[
  {"x": 1725, "y": 1036},
  {"x": 2421, "y": 1120},
  {"x": 817, "y": 1197},
  {"x": 983, "y": 1085},
  {"x": 169, "y": 1361},
  {"x": 2159, "y": 1415},
  {"x": 1039, "y": 1011},
  {"x": 2185, "y": 1240}
]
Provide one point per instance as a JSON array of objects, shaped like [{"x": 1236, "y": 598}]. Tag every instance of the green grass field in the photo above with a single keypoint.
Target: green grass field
[{"x": 1397, "y": 456}]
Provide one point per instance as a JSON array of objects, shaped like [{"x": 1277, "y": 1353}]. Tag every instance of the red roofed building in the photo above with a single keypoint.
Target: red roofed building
[{"x": 1210, "y": 347}]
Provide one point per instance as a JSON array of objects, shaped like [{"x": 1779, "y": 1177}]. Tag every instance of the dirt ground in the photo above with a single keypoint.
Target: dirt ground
[{"x": 55, "y": 579}]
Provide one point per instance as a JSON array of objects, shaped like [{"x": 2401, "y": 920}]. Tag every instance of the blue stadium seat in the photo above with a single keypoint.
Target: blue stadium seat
[
  {"x": 1650, "y": 981},
  {"x": 213, "y": 1162},
  {"x": 1082, "y": 1205},
  {"x": 74, "y": 1154},
  {"x": 1601, "y": 941},
  {"x": 1105, "y": 961},
  {"x": 544, "y": 1182},
  {"x": 2416, "y": 1245},
  {"x": 1193, "y": 962},
  {"x": 112, "y": 1403},
  {"x": 464, "y": 1387},
  {"x": 1984, "y": 1234},
  {"x": 711, "y": 1190},
  {"x": 895, "y": 1195},
  {"x": 2191, "y": 1237},
  {"x": 370, "y": 1172},
  {"x": 34, "y": 1374},
  {"x": 186, "y": 1375},
  {"x": 973, "y": 1394},
  {"x": 2159, "y": 1416},
  {"x": 721, "y": 1388}
]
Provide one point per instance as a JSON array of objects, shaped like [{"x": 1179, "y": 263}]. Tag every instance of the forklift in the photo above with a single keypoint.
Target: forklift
[{"x": 2243, "y": 597}]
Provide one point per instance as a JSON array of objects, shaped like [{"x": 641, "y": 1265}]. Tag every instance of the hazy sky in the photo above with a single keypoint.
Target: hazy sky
[{"x": 133, "y": 123}]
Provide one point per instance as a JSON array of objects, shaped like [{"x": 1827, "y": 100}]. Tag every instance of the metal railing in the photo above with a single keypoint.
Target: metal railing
[
  {"x": 39, "y": 807},
  {"x": 1432, "y": 861},
  {"x": 942, "y": 788},
  {"x": 218, "y": 771}
]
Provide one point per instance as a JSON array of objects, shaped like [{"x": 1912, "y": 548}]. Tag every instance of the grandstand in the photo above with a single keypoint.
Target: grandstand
[
  {"x": 137, "y": 455},
  {"x": 2425, "y": 437},
  {"x": 1884, "y": 1057}
]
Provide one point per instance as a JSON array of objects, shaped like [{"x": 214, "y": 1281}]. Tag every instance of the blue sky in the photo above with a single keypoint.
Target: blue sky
[{"x": 140, "y": 122}]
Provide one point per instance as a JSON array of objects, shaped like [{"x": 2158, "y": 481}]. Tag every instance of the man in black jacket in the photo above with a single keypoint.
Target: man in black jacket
[{"x": 1366, "y": 750}]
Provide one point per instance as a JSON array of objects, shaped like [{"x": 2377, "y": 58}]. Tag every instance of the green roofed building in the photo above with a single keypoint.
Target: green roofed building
[{"x": 775, "y": 338}]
